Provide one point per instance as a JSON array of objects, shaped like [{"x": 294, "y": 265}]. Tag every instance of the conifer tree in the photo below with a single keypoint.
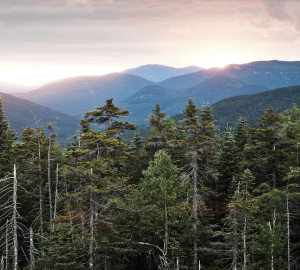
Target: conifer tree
[
  {"x": 264, "y": 151},
  {"x": 7, "y": 138},
  {"x": 229, "y": 163},
  {"x": 201, "y": 156},
  {"x": 98, "y": 164},
  {"x": 241, "y": 135},
  {"x": 163, "y": 190}
]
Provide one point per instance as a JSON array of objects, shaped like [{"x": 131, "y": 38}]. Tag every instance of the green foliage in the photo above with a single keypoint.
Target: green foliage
[
  {"x": 60, "y": 250},
  {"x": 126, "y": 206},
  {"x": 162, "y": 194},
  {"x": 7, "y": 138},
  {"x": 265, "y": 150}
]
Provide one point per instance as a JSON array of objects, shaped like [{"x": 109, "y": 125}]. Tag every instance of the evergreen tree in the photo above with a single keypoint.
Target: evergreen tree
[
  {"x": 60, "y": 250},
  {"x": 241, "y": 135},
  {"x": 7, "y": 138},
  {"x": 201, "y": 155},
  {"x": 164, "y": 192},
  {"x": 265, "y": 150},
  {"x": 98, "y": 164},
  {"x": 229, "y": 162}
]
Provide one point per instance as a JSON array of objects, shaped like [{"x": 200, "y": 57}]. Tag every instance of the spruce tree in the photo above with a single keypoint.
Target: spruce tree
[
  {"x": 265, "y": 152},
  {"x": 229, "y": 163},
  {"x": 7, "y": 138},
  {"x": 201, "y": 156}
]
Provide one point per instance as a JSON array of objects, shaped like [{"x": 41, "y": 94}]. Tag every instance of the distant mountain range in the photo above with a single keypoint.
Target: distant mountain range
[
  {"x": 74, "y": 96},
  {"x": 21, "y": 113},
  {"x": 158, "y": 73}
]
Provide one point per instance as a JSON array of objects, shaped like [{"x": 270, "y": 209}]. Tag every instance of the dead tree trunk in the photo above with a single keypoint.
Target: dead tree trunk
[
  {"x": 56, "y": 193},
  {"x": 40, "y": 189},
  {"x": 31, "y": 249},
  {"x": 288, "y": 231},
  {"x": 92, "y": 214},
  {"x": 14, "y": 222},
  {"x": 195, "y": 210},
  {"x": 49, "y": 183},
  {"x": 6, "y": 246}
]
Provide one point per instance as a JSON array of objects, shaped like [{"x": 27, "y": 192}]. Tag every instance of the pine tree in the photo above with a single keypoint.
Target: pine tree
[
  {"x": 60, "y": 250},
  {"x": 265, "y": 150},
  {"x": 201, "y": 158},
  {"x": 241, "y": 135},
  {"x": 98, "y": 164},
  {"x": 229, "y": 162},
  {"x": 7, "y": 138}
]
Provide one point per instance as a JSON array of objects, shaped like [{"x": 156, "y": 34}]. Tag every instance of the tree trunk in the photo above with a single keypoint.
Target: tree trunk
[
  {"x": 288, "y": 231},
  {"x": 274, "y": 170},
  {"x": 244, "y": 244},
  {"x": 234, "y": 250},
  {"x": 40, "y": 190},
  {"x": 195, "y": 210},
  {"x": 14, "y": 221},
  {"x": 91, "y": 242},
  {"x": 2, "y": 263},
  {"x": 49, "y": 184},
  {"x": 31, "y": 250},
  {"x": 166, "y": 241},
  {"x": 272, "y": 239},
  {"x": 6, "y": 247},
  {"x": 56, "y": 193}
]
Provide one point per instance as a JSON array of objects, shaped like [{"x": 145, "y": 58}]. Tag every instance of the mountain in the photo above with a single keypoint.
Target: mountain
[
  {"x": 270, "y": 74},
  {"x": 14, "y": 88},
  {"x": 189, "y": 80},
  {"x": 157, "y": 73},
  {"x": 251, "y": 107},
  {"x": 21, "y": 113},
  {"x": 76, "y": 95},
  {"x": 141, "y": 103},
  {"x": 172, "y": 101}
]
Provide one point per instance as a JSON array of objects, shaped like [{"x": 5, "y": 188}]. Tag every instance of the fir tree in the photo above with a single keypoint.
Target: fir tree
[{"x": 7, "y": 138}]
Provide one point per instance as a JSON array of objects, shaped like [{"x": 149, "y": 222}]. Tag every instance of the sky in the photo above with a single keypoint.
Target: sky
[{"x": 46, "y": 40}]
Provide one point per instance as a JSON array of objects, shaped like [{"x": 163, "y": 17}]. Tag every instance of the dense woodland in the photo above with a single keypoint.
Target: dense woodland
[{"x": 183, "y": 198}]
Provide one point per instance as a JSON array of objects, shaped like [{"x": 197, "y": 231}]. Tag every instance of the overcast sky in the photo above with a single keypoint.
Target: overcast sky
[{"x": 42, "y": 40}]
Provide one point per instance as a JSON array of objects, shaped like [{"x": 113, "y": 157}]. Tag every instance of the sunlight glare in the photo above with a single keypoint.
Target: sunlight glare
[
  {"x": 40, "y": 75},
  {"x": 216, "y": 60}
]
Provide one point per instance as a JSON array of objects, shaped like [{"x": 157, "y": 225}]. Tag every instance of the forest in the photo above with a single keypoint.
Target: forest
[{"x": 186, "y": 197}]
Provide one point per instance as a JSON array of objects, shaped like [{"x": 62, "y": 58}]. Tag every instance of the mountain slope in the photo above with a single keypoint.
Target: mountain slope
[
  {"x": 157, "y": 73},
  {"x": 76, "y": 95},
  {"x": 172, "y": 101},
  {"x": 270, "y": 74},
  {"x": 21, "y": 113},
  {"x": 251, "y": 107},
  {"x": 143, "y": 101}
]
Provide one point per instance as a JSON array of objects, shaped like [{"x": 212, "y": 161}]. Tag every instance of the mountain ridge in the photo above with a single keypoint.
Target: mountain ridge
[{"x": 158, "y": 73}]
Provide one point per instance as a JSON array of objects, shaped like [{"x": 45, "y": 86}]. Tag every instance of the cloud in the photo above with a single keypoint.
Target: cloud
[
  {"x": 180, "y": 30},
  {"x": 284, "y": 12}
]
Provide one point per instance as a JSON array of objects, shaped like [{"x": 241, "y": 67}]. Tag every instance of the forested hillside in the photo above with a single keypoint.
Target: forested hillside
[
  {"x": 22, "y": 113},
  {"x": 251, "y": 107},
  {"x": 183, "y": 198}
]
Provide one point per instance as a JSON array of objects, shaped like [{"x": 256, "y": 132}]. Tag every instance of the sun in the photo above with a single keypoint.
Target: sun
[{"x": 218, "y": 60}]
